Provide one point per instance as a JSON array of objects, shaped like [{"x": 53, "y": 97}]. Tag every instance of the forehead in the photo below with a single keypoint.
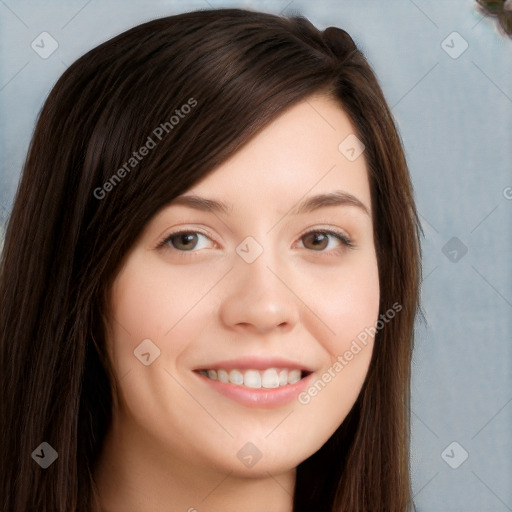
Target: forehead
[{"x": 302, "y": 153}]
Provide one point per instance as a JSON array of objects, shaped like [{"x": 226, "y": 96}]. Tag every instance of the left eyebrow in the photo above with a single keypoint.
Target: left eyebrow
[{"x": 337, "y": 198}]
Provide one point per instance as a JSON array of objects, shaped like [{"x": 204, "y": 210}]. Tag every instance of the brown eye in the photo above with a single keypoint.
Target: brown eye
[
  {"x": 183, "y": 241},
  {"x": 318, "y": 241}
]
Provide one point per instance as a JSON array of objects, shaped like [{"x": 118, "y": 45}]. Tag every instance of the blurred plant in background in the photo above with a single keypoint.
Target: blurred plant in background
[{"x": 501, "y": 9}]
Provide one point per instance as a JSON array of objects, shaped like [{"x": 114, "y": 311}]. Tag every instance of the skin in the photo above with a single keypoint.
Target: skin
[{"x": 174, "y": 440}]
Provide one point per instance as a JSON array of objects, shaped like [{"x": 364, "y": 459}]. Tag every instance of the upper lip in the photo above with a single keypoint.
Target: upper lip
[{"x": 255, "y": 363}]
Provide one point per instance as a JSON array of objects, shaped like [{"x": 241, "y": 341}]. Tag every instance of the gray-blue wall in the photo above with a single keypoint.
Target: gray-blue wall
[{"x": 453, "y": 106}]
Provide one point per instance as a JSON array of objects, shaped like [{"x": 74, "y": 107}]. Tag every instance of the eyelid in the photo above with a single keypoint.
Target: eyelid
[
  {"x": 163, "y": 241},
  {"x": 327, "y": 228}
]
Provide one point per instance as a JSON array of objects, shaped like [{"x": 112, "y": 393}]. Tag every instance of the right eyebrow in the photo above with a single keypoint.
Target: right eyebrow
[{"x": 202, "y": 203}]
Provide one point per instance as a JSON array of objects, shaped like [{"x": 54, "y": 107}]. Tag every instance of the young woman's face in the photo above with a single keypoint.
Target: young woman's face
[{"x": 262, "y": 293}]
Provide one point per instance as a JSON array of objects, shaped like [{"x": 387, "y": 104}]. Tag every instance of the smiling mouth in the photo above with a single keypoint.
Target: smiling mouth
[{"x": 270, "y": 378}]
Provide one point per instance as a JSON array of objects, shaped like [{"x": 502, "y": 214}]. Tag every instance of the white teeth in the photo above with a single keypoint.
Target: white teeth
[
  {"x": 269, "y": 379},
  {"x": 236, "y": 377},
  {"x": 223, "y": 376},
  {"x": 293, "y": 376},
  {"x": 252, "y": 379}
]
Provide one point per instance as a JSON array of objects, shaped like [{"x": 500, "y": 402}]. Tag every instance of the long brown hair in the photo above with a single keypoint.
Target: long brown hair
[{"x": 69, "y": 231}]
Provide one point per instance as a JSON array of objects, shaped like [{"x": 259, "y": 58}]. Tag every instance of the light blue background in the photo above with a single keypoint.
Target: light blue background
[{"x": 455, "y": 118}]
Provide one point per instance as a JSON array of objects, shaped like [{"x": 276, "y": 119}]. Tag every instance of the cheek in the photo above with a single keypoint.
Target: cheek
[
  {"x": 348, "y": 307},
  {"x": 149, "y": 303},
  {"x": 141, "y": 307},
  {"x": 345, "y": 301},
  {"x": 146, "y": 304}
]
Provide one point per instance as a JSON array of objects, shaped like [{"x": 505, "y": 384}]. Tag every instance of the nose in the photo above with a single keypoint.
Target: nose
[{"x": 258, "y": 297}]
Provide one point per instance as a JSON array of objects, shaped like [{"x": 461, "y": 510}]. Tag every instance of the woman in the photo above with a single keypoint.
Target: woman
[{"x": 268, "y": 368}]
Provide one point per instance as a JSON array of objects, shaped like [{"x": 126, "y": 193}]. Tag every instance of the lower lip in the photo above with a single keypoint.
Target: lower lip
[{"x": 261, "y": 397}]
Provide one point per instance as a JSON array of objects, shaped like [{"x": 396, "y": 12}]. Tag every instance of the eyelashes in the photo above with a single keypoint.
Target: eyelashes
[{"x": 189, "y": 239}]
